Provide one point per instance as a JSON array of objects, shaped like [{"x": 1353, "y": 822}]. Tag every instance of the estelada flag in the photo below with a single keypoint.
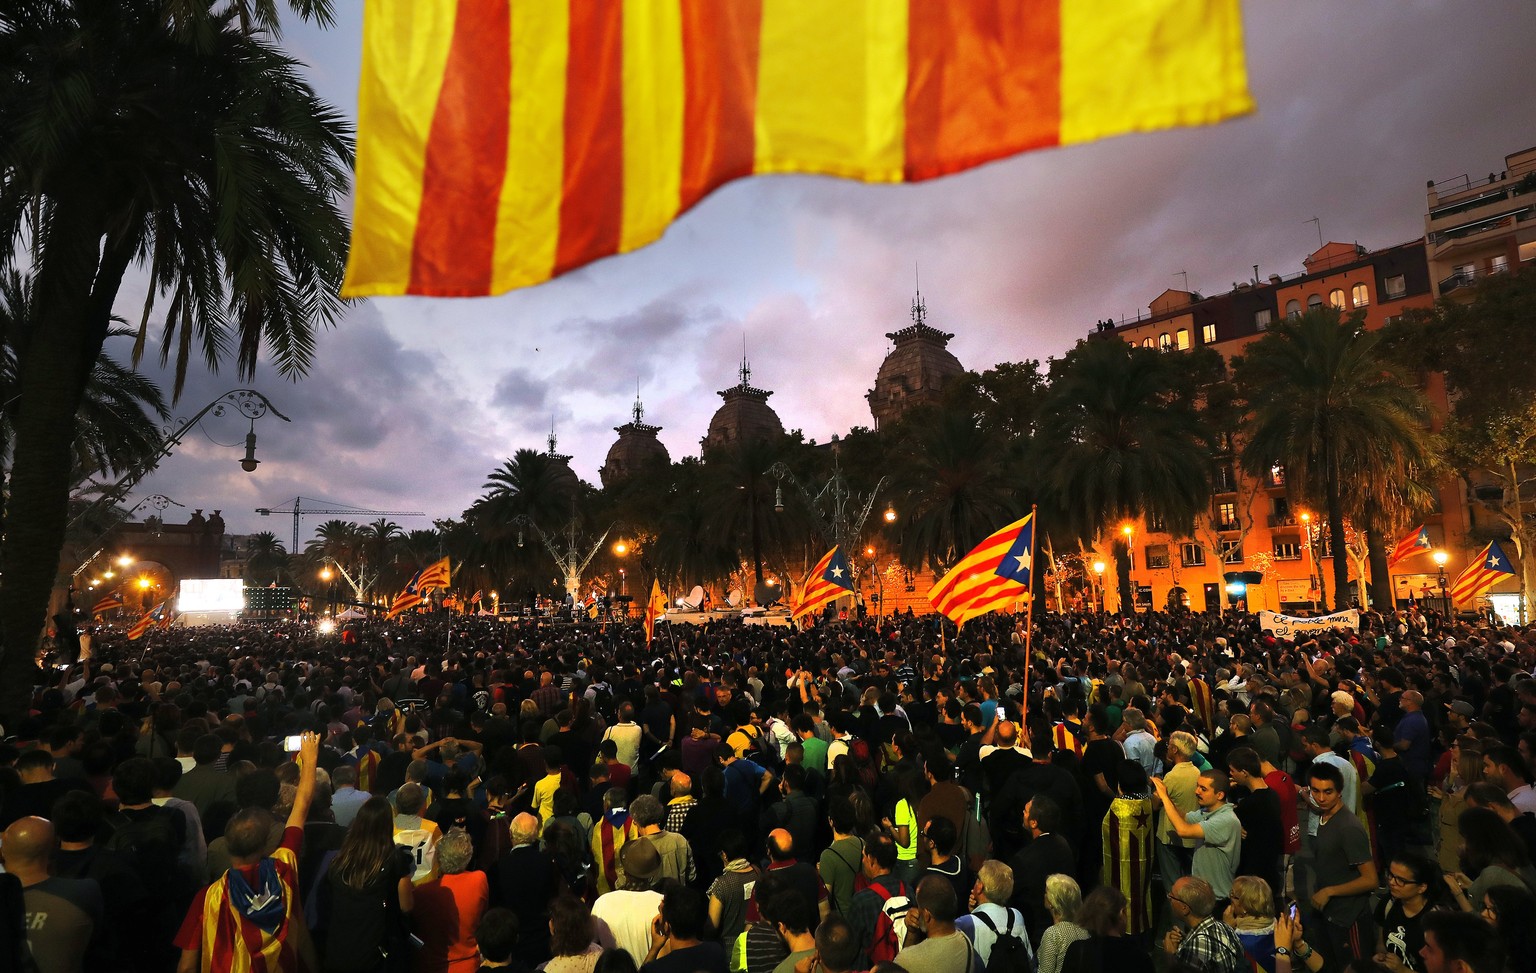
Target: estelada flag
[
  {"x": 141, "y": 626},
  {"x": 434, "y": 575},
  {"x": 505, "y": 142},
  {"x": 408, "y": 598},
  {"x": 826, "y": 581},
  {"x": 107, "y": 604},
  {"x": 1490, "y": 567},
  {"x": 994, "y": 574},
  {"x": 655, "y": 607},
  {"x": 1414, "y": 542}
]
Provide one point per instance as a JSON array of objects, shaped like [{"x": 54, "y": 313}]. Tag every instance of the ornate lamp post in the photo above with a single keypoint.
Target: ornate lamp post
[
  {"x": 1440, "y": 558},
  {"x": 1128, "y": 531},
  {"x": 1098, "y": 583}
]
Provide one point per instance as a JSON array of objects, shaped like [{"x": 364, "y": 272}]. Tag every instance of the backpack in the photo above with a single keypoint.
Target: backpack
[
  {"x": 890, "y": 932},
  {"x": 864, "y": 762},
  {"x": 602, "y": 701},
  {"x": 1010, "y": 953}
]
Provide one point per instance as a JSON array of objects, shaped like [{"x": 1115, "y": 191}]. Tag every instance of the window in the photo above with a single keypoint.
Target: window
[
  {"x": 1164, "y": 342},
  {"x": 1336, "y": 298},
  {"x": 1193, "y": 555},
  {"x": 1499, "y": 264},
  {"x": 1181, "y": 339},
  {"x": 1287, "y": 550},
  {"x": 1224, "y": 481},
  {"x": 1314, "y": 301},
  {"x": 1231, "y": 552},
  {"x": 1465, "y": 271},
  {"x": 1156, "y": 524},
  {"x": 1208, "y": 334},
  {"x": 1146, "y": 342},
  {"x": 1226, "y": 515},
  {"x": 1262, "y": 318},
  {"x": 1396, "y": 287},
  {"x": 1293, "y": 309},
  {"x": 1282, "y": 508},
  {"x": 1277, "y": 476},
  {"x": 1157, "y": 556},
  {"x": 1360, "y": 296}
]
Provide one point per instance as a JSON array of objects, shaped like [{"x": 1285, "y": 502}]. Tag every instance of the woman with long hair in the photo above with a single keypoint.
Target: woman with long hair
[
  {"x": 570, "y": 937},
  {"x": 1103, "y": 915},
  {"x": 1466, "y": 769},
  {"x": 1491, "y": 854},
  {"x": 367, "y": 897},
  {"x": 1513, "y": 913},
  {"x": 911, "y": 788}
]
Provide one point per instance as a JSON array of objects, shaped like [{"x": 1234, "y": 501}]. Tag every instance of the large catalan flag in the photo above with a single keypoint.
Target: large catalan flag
[
  {"x": 408, "y": 598},
  {"x": 994, "y": 575},
  {"x": 137, "y": 630},
  {"x": 828, "y": 580},
  {"x": 1490, "y": 567},
  {"x": 434, "y": 575},
  {"x": 114, "y": 600},
  {"x": 1414, "y": 542},
  {"x": 505, "y": 142}
]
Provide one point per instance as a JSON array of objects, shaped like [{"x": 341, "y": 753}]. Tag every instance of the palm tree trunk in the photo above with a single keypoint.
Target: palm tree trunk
[
  {"x": 76, "y": 284},
  {"x": 1376, "y": 551},
  {"x": 1336, "y": 544}
]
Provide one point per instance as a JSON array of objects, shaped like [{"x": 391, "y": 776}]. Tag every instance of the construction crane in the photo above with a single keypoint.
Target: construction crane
[{"x": 297, "y": 508}]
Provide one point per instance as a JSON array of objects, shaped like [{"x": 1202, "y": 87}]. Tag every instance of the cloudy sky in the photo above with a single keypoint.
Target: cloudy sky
[{"x": 413, "y": 401}]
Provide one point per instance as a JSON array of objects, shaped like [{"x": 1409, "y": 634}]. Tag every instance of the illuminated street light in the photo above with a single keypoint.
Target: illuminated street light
[
  {"x": 325, "y": 574},
  {"x": 890, "y": 514},
  {"x": 620, "y": 548},
  {"x": 1440, "y": 558},
  {"x": 125, "y": 560}
]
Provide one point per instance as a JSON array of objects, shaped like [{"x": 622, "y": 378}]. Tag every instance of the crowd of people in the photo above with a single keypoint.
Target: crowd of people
[{"x": 445, "y": 793}]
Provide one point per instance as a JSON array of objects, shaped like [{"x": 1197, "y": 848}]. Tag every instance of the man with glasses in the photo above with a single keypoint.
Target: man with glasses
[
  {"x": 1343, "y": 875},
  {"x": 1199, "y": 940}
]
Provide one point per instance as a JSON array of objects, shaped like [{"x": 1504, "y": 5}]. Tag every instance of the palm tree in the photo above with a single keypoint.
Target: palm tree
[
  {"x": 1349, "y": 428},
  {"x": 1120, "y": 436},
  {"x": 200, "y": 154},
  {"x": 266, "y": 558},
  {"x": 530, "y": 484},
  {"x": 951, "y": 485}
]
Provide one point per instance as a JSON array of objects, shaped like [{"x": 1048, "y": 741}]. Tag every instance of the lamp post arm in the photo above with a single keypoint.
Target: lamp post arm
[{"x": 251, "y": 403}]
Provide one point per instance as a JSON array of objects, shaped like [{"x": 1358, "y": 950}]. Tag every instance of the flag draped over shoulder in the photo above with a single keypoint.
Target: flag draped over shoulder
[
  {"x": 655, "y": 607},
  {"x": 505, "y": 142},
  {"x": 1414, "y": 542},
  {"x": 993, "y": 575},
  {"x": 1490, "y": 567},
  {"x": 828, "y": 580}
]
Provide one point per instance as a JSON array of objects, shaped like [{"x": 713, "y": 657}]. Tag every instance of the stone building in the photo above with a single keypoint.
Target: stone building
[
  {"x": 915, "y": 371},
  {"x": 636, "y": 448},
  {"x": 744, "y": 415}
]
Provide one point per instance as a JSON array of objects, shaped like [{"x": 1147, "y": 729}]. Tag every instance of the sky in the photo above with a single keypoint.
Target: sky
[{"x": 412, "y": 402}]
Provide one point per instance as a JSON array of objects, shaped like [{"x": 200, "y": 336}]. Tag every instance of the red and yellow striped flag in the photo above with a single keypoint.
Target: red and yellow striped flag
[
  {"x": 434, "y": 575},
  {"x": 505, "y": 142}
]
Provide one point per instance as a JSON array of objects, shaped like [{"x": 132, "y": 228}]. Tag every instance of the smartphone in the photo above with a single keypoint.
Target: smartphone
[
  {"x": 293, "y": 744},
  {"x": 1295, "y": 912}
]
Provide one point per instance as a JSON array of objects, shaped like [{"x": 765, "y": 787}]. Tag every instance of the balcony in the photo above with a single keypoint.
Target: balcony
[
  {"x": 1282, "y": 520},
  {"x": 1442, "y": 240},
  {"x": 1465, "y": 277},
  {"x": 1228, "y": 526}
]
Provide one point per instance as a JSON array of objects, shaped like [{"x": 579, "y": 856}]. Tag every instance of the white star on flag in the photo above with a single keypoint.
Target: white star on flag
[
  {"x": 836, "y": 572},
  {"x": 1023, "y": 560}
]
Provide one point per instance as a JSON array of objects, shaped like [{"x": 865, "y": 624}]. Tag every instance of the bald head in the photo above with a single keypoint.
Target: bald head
[
  {"x": 781, "y": 845},
  {"x": 524, "y": 829},
  {"x": 1007, "y": 734},
  {"x": 27, "y": 844}
]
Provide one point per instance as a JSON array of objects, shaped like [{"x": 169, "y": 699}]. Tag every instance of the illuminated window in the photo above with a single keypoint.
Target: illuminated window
[
  {"x": 1336, "y": 298},
  {"x": 1361, "y": 295},
  {"x": 1499, "y": 264},
  {"x": 1164, "y": 341},
  {"x": 1226, "y": 515},
  {"x": 1208, "y": 334},
  {"x": 1146, "y": 342},
  {"x": 1181, "y": 339}
]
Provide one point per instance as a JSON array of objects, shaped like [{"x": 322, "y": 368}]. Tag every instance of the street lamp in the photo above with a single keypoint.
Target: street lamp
[
  {"x": 620, "y": 548},
  {"x": 1129, "y": 532},
  {"x": 1440, "y": 558},
  {"x": 1306, "y": 525},
  {"x": 1098, "y": 570},
  {"x": 890, "y": 514}
]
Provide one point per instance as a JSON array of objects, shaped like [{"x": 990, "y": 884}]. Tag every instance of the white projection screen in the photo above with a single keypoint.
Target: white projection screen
[{"x": 210, "y": 601}]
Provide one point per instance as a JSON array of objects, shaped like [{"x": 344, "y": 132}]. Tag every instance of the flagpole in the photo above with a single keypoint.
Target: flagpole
[{"x": 1029, "y": 618}]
